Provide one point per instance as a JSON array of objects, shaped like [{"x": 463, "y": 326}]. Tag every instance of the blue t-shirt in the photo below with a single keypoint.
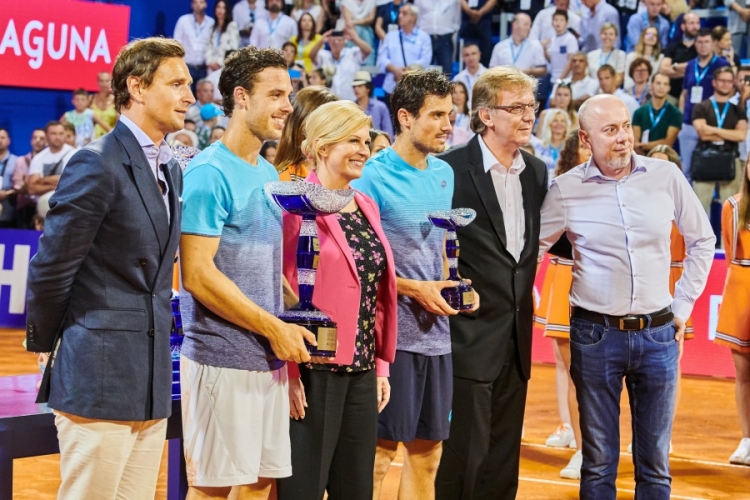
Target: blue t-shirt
[
  {"x": 707, "y": 82},
  {"x": 223, "y": 197},
  {"x": 404, "y": 195}
]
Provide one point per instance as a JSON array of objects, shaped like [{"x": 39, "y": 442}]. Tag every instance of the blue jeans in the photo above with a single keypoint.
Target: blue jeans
[
  {"x": 601, "y": 355},
  {"x": 442, "y": 52},
  {"x": 688, "y": 141}
]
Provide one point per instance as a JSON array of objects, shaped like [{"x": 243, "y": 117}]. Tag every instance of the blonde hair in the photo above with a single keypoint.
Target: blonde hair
[
  {"x": 546, "y": 135},
  {"x": 607, "y": 26},
  {"x": 493, "y": 81},
  {"x": 332, "y": 123}
]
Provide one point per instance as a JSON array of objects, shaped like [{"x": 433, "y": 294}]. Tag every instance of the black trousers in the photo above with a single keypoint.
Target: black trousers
[
  {"x": 481, "y": 457},
  {"x": 333, "y": 447}
]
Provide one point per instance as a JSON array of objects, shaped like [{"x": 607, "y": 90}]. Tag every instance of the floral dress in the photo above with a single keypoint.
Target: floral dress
[{"x": 369, "y": 257}]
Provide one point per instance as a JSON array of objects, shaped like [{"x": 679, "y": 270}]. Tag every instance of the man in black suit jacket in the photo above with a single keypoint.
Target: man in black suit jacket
[
  {"x": 99, "y": 288},
  {"x": 492, "y": 347}
]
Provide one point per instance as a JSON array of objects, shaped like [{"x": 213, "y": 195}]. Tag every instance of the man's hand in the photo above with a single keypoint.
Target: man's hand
[
  {"x": 398, "y": 72},
  {"x": 427, "y": 293},
  {"x": 297, "y": 399},
  {"x": 474, "y": 16},
  {"x": 679, "y": 335},
  {"x": 384, "y": 392},
  {"x": 475, "y": 304},
  {"x": 288, "y": 342}
]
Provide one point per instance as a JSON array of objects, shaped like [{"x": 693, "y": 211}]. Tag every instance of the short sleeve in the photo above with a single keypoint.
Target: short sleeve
[
  {"x": 35, "y": 167},
  {"x": 676, "y": 120},
  {"x": 639, "y": 118},
  {"x": 699, "y": 112},
  {"x": 369, "y": 184},
  {"x": 206, "y": 201}
]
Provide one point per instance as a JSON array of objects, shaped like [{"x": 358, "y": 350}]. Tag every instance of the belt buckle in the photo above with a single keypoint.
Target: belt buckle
[{"x": 641, "y": 322}]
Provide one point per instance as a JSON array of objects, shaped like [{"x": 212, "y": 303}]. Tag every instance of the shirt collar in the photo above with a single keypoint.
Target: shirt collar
[
  {"x": 148, "y": 146},
  {"x": 591, "y": 169},
  {"x": 489, "y": 160}
]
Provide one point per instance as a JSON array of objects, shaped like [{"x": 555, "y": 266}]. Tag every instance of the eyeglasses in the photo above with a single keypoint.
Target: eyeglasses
[
  {"x": 721, "y": 80},
  {"x": 518, "y": 109},
  {"x": 561, "y": 83}
]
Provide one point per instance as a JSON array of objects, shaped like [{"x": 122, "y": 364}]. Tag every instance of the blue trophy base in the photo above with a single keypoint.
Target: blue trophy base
[
  {"x": 459, "y": 297},
  {"x": 319, "y": 324}
]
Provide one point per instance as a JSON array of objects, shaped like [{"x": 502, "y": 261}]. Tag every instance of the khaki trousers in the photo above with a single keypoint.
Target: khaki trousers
[
  {"x": 705, "y": 190},
  {"x": 109, "y": 459}
]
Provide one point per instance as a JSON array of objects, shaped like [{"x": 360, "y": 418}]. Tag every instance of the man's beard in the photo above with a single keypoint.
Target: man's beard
[
  {"x": 274, "y": 9},
  {"x": 619, "y": 162}
]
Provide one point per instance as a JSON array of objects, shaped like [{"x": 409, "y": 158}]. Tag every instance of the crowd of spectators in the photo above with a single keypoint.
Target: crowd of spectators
[{"x": 651, "y": 54}]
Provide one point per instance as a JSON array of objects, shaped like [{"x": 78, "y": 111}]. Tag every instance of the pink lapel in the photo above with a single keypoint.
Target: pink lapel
[{"x": 331, "y": 225}]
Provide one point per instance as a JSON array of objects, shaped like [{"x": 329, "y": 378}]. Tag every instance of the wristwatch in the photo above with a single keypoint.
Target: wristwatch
[{"x": 674, "y": 66}]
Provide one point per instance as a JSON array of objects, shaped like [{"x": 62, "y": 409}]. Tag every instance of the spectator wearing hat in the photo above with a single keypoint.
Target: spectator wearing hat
[
  {"x": 210, "y": 114},
  {"x": 378, "y": 111}
]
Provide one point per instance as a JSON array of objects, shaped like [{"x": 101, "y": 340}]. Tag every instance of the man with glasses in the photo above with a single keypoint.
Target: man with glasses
[
  {"x": 491, "y": 348},
  {"x": 724, "y": 124}
]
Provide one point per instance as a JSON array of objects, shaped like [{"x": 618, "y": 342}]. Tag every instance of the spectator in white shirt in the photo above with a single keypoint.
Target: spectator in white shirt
[
  {"x": 402, "y": 48},
  {"x": 204, "y": 93},
  {"x": 193, "y": 31},
  {"x": 440, "y": 19},
  {"x": 246, "y": 13},
  {"x": 346, "y": 60},
  {"x": 275, "y": 29},
  {"x": 520, "y": 51},
  {"x": 581, "y": 84},
  {"x": 47, "y": 165},
  {"x": 473, "y": 68},
  {"x": 608, "y": 54},
  {"x": 608, "y": 85},
  {"x": 559, "y": 49},
  {"x": 542, "y": 28}
]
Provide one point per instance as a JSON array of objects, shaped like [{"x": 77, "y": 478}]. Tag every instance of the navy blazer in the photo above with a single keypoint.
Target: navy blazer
[{"x": 102, "y": 278}]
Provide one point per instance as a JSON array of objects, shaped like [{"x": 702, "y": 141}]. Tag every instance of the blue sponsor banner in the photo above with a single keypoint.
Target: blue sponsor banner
[{"x": 17, "y": 247}]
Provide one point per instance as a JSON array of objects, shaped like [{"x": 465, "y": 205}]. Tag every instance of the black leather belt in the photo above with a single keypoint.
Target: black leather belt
[{"x": 629, "y": 322}]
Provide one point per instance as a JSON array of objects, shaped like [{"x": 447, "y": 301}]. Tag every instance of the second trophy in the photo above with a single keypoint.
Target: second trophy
[
  {"x": 308, "y": 201},
  {"x": 461, "y": 296}
]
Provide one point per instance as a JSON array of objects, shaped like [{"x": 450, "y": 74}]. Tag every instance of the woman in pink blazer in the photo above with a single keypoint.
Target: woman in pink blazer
[{"x": 335, "y": 403}]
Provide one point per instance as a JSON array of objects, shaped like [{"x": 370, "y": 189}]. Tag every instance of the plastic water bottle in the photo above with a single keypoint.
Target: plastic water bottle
[{"x": 175, "y": 343}]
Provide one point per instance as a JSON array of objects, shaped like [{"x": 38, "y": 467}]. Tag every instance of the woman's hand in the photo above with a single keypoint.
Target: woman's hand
[
  {"x": 384, "y": 392},
  {"x": 297, "y": 399}
]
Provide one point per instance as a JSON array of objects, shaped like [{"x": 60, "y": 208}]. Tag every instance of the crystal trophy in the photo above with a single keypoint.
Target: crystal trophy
[
  {"x": 309, "y": 200},
  {"x": 183, "y": 155},
  {"x": 460, "y": 297}
]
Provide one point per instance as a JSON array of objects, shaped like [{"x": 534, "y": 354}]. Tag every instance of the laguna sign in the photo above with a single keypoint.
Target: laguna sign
[{"x": 60, "y": 44}]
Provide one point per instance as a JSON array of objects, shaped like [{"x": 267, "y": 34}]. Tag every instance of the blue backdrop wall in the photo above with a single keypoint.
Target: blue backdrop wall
[{"x": 23, "y": 110}]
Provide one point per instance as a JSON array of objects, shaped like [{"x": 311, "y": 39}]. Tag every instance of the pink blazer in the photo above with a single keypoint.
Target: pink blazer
[{"x": 337, "y": 287}]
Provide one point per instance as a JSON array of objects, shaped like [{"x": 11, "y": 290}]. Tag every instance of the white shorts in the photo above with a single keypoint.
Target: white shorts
[{"x": 235, "y": 424}]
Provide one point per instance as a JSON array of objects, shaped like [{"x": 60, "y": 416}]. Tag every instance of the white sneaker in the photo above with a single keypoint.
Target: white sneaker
[
  {"x": 573, "y": 445},
  {"x": 741, "y": 455},
  {"x": 573, "y": 469},
  {"x": 562, "y": 436}
]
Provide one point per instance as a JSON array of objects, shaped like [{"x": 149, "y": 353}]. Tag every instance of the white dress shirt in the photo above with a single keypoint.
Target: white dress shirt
[
  {"x": 529, "y": 54},
  {"x": 155, "y": 156},
  {"x": 439, "y": 17},
  {"x": 194, "y": 37},
  {"x": 349, "y": 61},
  {"x": 542, "y": 28},
  {"x": 468, "y": 79},
  {"x": 245, "y": 17},
  {"x": 273, "y": 33},
  {"x": 587, "y": 86},
  {"x": 417, "y": 47},
  {"x": 507, "y": 182},
  {"x": 620, "y": 233}
]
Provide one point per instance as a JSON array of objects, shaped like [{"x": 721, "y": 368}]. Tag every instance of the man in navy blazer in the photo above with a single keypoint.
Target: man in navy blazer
[{"x": 99, "y": 287}]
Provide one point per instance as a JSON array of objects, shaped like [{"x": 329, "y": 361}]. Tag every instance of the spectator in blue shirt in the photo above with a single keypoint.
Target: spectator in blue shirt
[
  {"x": 642, "y": 20},
  {"x": 373, "y": 108}
]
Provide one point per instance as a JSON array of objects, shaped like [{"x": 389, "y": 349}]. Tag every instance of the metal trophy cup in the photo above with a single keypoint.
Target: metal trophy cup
[
  {"x": 310, "y": 200},
  {"x": 459, "y": 297}
]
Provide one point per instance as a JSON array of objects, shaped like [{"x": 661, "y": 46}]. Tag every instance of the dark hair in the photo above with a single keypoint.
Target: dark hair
[
  {"x": 322, "y": 75},
  {"x": 188, "y": 120},
  {"x": 471, "y": 44},
  {"x": 560, "y": 12},
  {"x": 3, "y": 129},
  {"x": 639, "y": 61},
  {"x": 299, "y": 27},
  {"x": 38, "y": 129},
  {"x": 466, "y": 109},
  {"x": 606, "y": 67},
  {"x": 218, "y": 127},
  {"x": 703, "y": 32},
  {"x": 51, "y": 123},
  {"x": 723, "y": 69},
  {"x": 569, "y": 153},
  {"x": 266, "y": 146},
  {"x": 141, "y": 58},
  {"x": 80, "y": 91},
  {"x": 241, "y": 69},
  {"x": 227, "y": 16},
  {"x": 307, "y": 100},
  {"x": 375, "y": 133},
  {"x": 718, "y": 33},
  {"x": 69, "y": 127},
  {"x": 412, "y": 90}
]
